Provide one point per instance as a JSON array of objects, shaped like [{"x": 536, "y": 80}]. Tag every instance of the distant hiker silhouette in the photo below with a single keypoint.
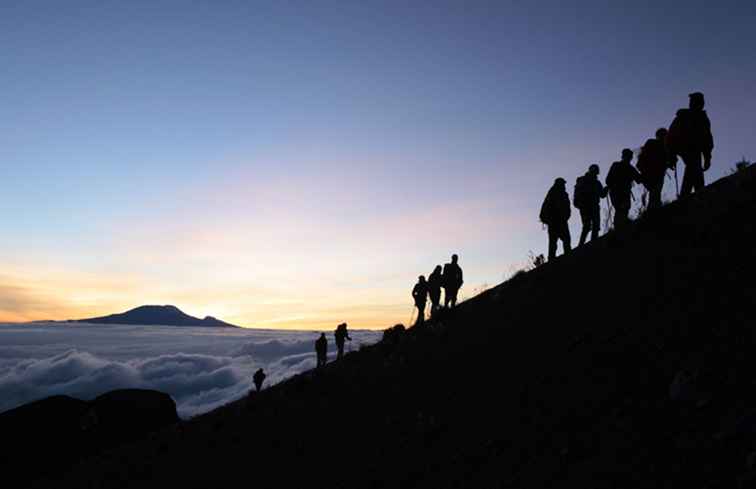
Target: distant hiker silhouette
[
  {"x": 653, "y": 162},
  {"x": 420, "y": 294},
  {"x": 587, "y": 198},
  {"x": 321, "y": 349},
  {"x": 555, "y": 214},
  {"x": 452, "y": 281},
  {"x": 690, "y": 137},
  {"x": 341, "y": 334},
  {"x": 259, "y": 378},
  {"x": 620, "y": 182},
  {"x": 435, "y": 281}
]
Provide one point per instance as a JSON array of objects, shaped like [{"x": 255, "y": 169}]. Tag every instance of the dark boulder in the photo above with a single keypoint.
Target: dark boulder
[
  {"x": 127, "y": 413},
  {"x": 61, "y": 430}
]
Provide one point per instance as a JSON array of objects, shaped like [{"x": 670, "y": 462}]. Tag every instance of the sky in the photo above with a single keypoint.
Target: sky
[
  {"x": 201, "y": 368},
  {"x": 298, "y": 164}
]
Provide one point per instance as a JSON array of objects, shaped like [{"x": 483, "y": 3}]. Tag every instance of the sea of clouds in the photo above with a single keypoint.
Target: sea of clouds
[{"x": 201, "y": 368}]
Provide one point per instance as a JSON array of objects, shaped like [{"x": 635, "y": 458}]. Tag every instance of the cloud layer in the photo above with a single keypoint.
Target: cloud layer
[{"x": 200, "y": 368}]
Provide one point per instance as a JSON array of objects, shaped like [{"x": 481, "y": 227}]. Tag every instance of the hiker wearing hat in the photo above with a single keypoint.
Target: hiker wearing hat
[
  {"x": 690, "y": 137},
  {"x": 620, "y": 181},
  {"x": 555, "y": 214},
  {"x": 587, "y": 198},
  {"x": 420, "y": 295},
  {"x": 452, "y": 281}
]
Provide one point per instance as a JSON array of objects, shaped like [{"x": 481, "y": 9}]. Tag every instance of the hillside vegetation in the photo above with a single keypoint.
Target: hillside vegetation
[{"x": 629, "y": 363}]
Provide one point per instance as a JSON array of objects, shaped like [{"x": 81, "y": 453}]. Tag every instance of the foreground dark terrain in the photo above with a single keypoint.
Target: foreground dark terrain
[{"x": 629, "y": 363}]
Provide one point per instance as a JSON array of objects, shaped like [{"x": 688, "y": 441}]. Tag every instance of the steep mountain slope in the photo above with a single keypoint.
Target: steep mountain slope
[
  {"x": 628, "y": 363},
  {"x": 157, "y": 315}
]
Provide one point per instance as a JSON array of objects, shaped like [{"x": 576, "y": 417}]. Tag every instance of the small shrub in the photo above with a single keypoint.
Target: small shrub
[
  {"x": 534, "y": 261},
  {"x": 740, "y": 166}
]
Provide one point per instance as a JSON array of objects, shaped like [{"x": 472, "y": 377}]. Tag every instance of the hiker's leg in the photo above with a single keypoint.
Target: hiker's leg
[
  {"x": 585, "y": 219},
  {"x": 689, "y": 177},
  {"x": 566, "y": 238},
  {"x": 654, "y": 194},
  {"x": 620, "y": 214},
  {"x": 617, "y": 217},
  {"x": 698, "y": 175},
  {"x": 552, "y": 241},
  {"x": 595, "y": 220}
]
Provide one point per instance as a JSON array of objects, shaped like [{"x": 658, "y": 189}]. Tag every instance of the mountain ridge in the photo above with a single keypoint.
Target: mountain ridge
[{"x": 166, "y": 315}]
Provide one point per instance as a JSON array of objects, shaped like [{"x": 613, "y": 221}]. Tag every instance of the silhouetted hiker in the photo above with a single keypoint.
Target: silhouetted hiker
[
  {"x": 587, "y": 198},
  {"x": 435, "y": 281},
  {"x": 321, "y": 349},
  {"x": 653, "y": 161},
  {"x": 452, "y": 281},
  {"x": 341, "y": 334},
  {"x": 620, "y": 182},
  {"x": 555, "y": 213},
  {"x": 259, "y": 378},
  {"x": 690, "y": 137},
  {"x": 420, "y": 294}
]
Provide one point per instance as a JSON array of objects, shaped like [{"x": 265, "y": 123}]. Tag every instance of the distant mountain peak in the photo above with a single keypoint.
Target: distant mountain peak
[{"x": 166, "y": 315}]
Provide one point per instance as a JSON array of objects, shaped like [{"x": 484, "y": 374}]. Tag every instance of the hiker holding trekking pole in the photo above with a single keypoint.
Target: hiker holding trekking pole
[
  {"x": 620, "y": 181},
  {"x": 586, "y": 197},
  {"x": 653, "y": 162}
]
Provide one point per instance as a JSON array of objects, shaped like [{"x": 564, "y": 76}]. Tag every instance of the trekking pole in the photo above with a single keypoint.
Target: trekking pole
[
  {"x": 608, "y": 214},
  {"x": 677, "y": 187}
]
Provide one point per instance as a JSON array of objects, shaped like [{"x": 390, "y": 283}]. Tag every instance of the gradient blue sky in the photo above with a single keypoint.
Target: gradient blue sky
[{"x": 295, "y": 164}]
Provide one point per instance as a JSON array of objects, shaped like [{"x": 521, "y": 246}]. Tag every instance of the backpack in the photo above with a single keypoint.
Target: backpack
[
  {"x": 678, "y": 132},
  {"x": 580, "y": 192},
  {"x": 545, "y": 215}
]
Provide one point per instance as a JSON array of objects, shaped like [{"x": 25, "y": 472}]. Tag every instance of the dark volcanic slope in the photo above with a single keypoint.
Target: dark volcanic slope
[
  {"x": 562, "y": 377},
  {"x": 157, "y": 315}
]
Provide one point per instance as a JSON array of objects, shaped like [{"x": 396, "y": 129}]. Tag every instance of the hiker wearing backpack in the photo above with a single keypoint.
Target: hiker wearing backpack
[
  {"x": 340, "y": 335},
  {"x": 690, "y": 137},
  {"x": 321, "y": 350},
  {"x": 620, "y": 181},
  {"x": 435, "y": 280},
  {"x": 653, "y": 161},
  {"x": 420, "y": 295},
  {"x": 587, "y": 198},
  {"x": 555, "y": 214},
  {"x": 452, "y": 281}
]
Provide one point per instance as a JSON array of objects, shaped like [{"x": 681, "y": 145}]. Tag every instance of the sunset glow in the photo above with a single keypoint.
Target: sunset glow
[{"x": 301, "y": 172}]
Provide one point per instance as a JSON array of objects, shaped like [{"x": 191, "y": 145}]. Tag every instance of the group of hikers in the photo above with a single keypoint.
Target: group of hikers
[
  {"x": 321, "y": 344},
  {"x": 448, "y": 278},
  {"x": 688, "y": 137},
  {"x": 341, "y": 335}
]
